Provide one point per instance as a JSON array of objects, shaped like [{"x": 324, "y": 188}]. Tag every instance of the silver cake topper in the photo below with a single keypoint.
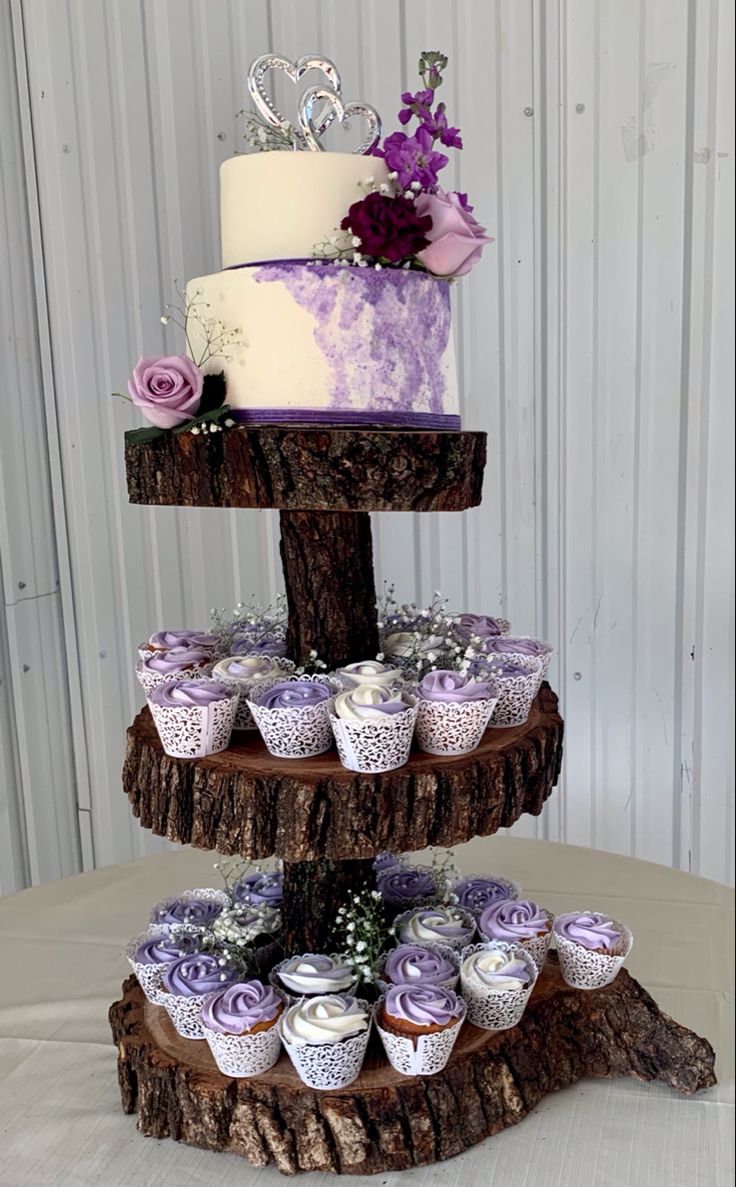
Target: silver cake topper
[{"x": 312, "y": 125}]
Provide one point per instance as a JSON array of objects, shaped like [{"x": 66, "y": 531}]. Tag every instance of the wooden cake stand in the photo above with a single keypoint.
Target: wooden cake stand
[{"x": 327, "y": 824}]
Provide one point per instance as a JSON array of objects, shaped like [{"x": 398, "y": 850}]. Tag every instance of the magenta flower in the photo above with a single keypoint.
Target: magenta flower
[
  {"x": 388, "y": 228},
  {"x": 413, "y": 158},
  {"x": 167, "y": 390}
]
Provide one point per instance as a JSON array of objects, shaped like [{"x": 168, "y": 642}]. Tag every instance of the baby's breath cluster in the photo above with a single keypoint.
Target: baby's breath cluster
[
  {"x": 445, "y": 873},
  {"x": 423, "y": 639},
  {"x": 239, "y": 926},
  {"x": 217, "y": 337},
  {"x": 362, "y": 932},
  {"x": 251, "y": 624},
  {"x": 263, "y": 137}
]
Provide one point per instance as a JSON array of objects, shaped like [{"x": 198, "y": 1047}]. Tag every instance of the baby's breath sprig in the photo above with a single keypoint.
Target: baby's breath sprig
[
  {"x": 311, "y": 666},
  {"x": 444, "y": 872},
  {"x": 263, "y": 137},
  {"x": 217, "y": 337},
  {"x": 251, "y": 623},
  {"x": 423, "y": 639},
  {"x": 362, "y": 933},
  {"x": 232, "y": 869}
]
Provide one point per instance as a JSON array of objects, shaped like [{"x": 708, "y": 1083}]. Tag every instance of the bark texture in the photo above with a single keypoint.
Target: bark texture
[
  {"x": 385, "y": 1121},
  {"x": 246, "y": 802},
  {"x": 328, "y": 571},
  {"x": 313, "y": 890},
  {"x": 309, "y": 469}
]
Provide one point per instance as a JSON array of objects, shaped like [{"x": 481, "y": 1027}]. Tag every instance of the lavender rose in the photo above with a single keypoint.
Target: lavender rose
[
  {"x": 167, "y": 390},
  {"x": 456, "y": 238}
]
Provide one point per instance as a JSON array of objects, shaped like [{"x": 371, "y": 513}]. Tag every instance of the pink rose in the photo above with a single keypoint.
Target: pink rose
[
  {"x": 167, "y": 391},
  {"x": 456, "y": 239}
]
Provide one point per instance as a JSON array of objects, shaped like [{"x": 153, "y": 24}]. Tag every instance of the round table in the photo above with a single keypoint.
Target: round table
[{"x": 63, "y": 964}]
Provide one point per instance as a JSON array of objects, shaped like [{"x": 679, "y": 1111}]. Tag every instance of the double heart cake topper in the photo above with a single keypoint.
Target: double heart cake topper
[{"x": 318, "y": 106}]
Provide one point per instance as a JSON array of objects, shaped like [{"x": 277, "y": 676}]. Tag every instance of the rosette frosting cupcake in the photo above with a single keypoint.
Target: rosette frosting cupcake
[
  {"x": 515, "y": 680},
  {"x": 436, "y": 925},
  {"x": 481, "y": 626},
  {"x": 415, "y": 964},
  {"x": 169, "y": 640},
  {"x": 475, "y": 892},
  {"x": 148, "y": 956},
  {"x": 453, "y": 710},
  {"x": 193, "y": 717},
  {"x": 368, "y": 671},
  {"x": 186, "y": 983},
  {"x": 240, "y": 1026},
  {"x": 407, "y": 886},
  {"x": 326, "y": 1038},
  {"x": 313, "y": 975},
  {"x": 496, "y": 980},
  {"x": 180, "y": 663},
  {"x": 269, "y": 645},
  {"x": 373, "y": 727},
  {"x": 260, "y": 888},
  {"x": 518, "y": 922},
  {"x": 293, "y": 718},
  {"x": 193, "y": 909},
  {"x": 418, "y": 1026},
  {"x": 591, "y": 948},
  {"x": 386, "y": 861},
  {"x": 248, "y": 676},
  {"x": 521, "y": 645}
]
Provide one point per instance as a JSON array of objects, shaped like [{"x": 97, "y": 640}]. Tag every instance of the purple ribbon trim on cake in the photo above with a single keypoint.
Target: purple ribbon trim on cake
[
  {"x": 266, "y": 263},
  {"x": 324, "y": 416}
]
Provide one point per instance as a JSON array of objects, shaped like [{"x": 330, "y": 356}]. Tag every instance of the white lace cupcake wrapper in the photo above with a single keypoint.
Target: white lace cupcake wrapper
[
  {"x": 455, "y": 945},
  {"x": 246, "y": 1054},
  {"x": 330, "y": 1065},
  {"x": 418, "y": 1055},
  {"x": 294, "y": 733},
  {"x": 193, "y": 731},
  {"x": 185, "y": 1013},
  {"x": 148, "y": 975},
  {"x": 536, "y": 946},
  {"x": 452, "y": 728},
  {"x": 372, "y": 745},
  {"x": 293, "y": 995},
  {"x": 583, "y": 969},
  {"x": 516, "y": 693},
  {"x": 245, "y": 688},
  {"x": 150, "y": 680},
  {"x": 445, "y": 950},
  {"x": 497, "y": 1011}
]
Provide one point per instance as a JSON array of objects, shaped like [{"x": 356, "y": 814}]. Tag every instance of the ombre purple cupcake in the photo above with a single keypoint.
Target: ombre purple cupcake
[
  {"x": 294, "y": 694},
  {"x": 520, "y": 922},
  {"x": 181, "y": 663},
  {"x": 169, "y": 640},
  {"x": 259, "y": 888},
  {"x": 293, "y": 717},
  {"x": 165, "y": 949},
  {"x": 191, "y": 694},
  {"x": 591, "y": 948},
  {"x": 197, "y": 975},
  {"x": 407, "y": 886},
  {"x": 246, "y": 1007},
  {"x": 412, "y": 1010},
  {"x": 475, "y": 892},
  {"x": 414, "y": 964},
  {"x": 368, "y": 702},
  {"x": 481, "y": 626},
  {"x": 590, "y": 929}
]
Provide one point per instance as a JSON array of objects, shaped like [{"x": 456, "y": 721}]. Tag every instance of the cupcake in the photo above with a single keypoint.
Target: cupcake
[
  {"x": 255, "y": 643},
  {"x": 515, "y": 680},
  {"x": 591, "y": 948},
  {"x": 240, "y": 1024},
  {"x": 436, "y": 925},
  {"x": 191, "y": 910},
  {"x": 418, "y": 1026},
  {"x": 181, "y": 663},
  {"x": 521, "y": 645},
  {"x": 373, "y": 727},
  {"x": 416, "y": 964},
  {"x": 186, "y": 983},
  {"x": 407, "y": 886},
  {"x": 475, "y": 892},
  {"x": 246, "y": 925},
  {"x": 193, "y": 717},
  {"x": 149, "y": 955},
  {"x": 518, "y": 921},
  {"x": 326, "y": 1037},
  {"x": 172, "y": 640},
  {"x": 496, "y": 980},
  {"x": 368, "y": 671},
  {"x": 314, "y": 975},
  {"x": 293, "y": 718},
  {"x": 385, "y": 861},
  {"x": 259, "y": 888},
  {"x": 248, "y": 676},
  {"x": 453, "y": 710},
  {"x": 481, "y": 627}
]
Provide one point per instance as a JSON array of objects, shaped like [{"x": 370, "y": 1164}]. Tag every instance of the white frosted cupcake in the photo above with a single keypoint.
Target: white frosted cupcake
[
  {"x": 373, "y": 727},
  {"x": 249, "y": 676},
  {"x": 496, "y": 980},
  {"x": 453, "y": 710},
  {"x": 591, "y": 947},
  {"x": 240, "y": 1024},
  {"x": 436, "y": 925},
  {"x": 326, "y": 1038},
  {"x": 314, "y": 975},
  {"x": 293, "y": 718},
  {"x": 369, "y": 671},
  {"x": 193, "y": 718}
]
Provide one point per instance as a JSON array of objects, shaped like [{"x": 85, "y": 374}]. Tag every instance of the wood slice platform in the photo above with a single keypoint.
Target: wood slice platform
[
  {"x": 385, "y": 1121},
  {"x": 243, "y": 801},
  {"x": 309, "y": 469}
]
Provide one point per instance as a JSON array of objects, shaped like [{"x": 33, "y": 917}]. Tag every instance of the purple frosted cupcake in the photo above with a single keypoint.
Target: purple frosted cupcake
[
  {"x": 407, "y": 886},
  {"x": 475, "y": 892},
  {"x": 181, "y": 663},
  {"x": 373, "y": 727},
  {"x": 591, "y": 948},
  {"x": 240, "y": 1024},
  {"x": 193, "y": 718},
  {"x": 521, "y": 645},
  {"x": 518, "y": 922},
  {"x": 170, "y": 640},
  {"x": 149, "y": 955},
  {"x": 293, "y": 718},
  {"x": 418, "y": 1026},
  {"x": 193, "y": 909},
  {"x": 384, "y": 861},
  {"x": 260, "y": 888},
  {"x": 481, "y": 627},
  {"x": 249, "y": 676},
  {"x": 416, "y": 964},
  {"x": 185, "y": 985},
  {"x": 453, "y": 710}
]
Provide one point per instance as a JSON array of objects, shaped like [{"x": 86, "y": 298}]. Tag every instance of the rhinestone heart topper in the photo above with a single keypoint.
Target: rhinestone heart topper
[
  {"x": 312, "y": 124},
  {"x": 343, "y": 112}
]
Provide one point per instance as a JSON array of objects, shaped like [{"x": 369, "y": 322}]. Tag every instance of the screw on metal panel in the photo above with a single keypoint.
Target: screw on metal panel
[
  {"x": 222, "y": 135},
  {"x": 26, "y": 667},
  {"x": 580, "y": 108},
  {"x": 66, "y": 148},
  {"x": 103, "y": 655},
  {"x": 577, "y": 675},
  {"x": 528, "y": 111},
  {"x": 21, "y": 585}
]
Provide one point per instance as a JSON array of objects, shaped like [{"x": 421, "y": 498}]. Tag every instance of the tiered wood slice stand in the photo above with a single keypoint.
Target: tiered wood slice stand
[{"x": 327, "y": 824}]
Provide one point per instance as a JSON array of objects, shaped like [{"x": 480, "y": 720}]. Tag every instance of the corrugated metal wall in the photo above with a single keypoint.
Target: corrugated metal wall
[{"x": 594, "y": 349}]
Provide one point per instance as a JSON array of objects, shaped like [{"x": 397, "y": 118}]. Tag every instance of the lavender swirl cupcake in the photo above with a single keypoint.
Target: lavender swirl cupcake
[
  {"x": 519, "y": 922},
  {"x": 170, "y": 640},
  {"x": 189, "y": 911},
  {"x": 453, "y": 710},
  {"x": 407, "y": 886},
  {"x": 436, "y": 925},
  {"x": 181, "y": 663},
  {"x": 148, "y": 956},
  {"x": 418, "y": 1026},
  {"x": 521, "y": 645},
  {"x": 186, "y": 983},
  {"x": 481, "y": 627},
  {"x": 416, "y": 964},
  {"x": 591, "y": 947},
  {"x": 515, "y": 680},
  {"x": 496, "y": 981},
  {"x": 259, "y": 888},
  {"x": 293, "y": 718},
  {"x": 251, "y": 643},
  {"x": 240, "y": 1026},
  {"x": 313, "y": 975},
  {"x": 193, "y": 718},
  {"x": 249, "y": 676},
  {"x": 475, "y": 892}
]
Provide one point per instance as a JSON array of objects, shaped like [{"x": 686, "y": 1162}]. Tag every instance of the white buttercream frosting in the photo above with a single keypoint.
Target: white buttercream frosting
[
  {"x": 367, "y": 701},
  {"x": 325, "y": 1019},
  {"x": 315, "y": 974},
  {"x": 495, "y": 972}
]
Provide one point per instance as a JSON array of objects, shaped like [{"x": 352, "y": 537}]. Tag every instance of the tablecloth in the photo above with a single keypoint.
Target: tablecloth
[{"x": 61, "y": 1124}]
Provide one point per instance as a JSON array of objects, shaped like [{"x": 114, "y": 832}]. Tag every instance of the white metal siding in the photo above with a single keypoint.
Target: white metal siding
[{"x": 593, "y": 341}]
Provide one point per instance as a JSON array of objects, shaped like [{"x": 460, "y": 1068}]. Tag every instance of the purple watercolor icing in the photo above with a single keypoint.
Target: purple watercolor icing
[{"x": 396, "y": 363}]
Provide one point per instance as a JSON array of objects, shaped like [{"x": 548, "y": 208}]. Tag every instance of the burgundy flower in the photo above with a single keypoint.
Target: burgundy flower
[{"x": 388, "y": 228}]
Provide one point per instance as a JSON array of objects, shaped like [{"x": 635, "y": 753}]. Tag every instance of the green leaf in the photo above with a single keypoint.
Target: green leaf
[
  {"x": 139, "y": 436},
  {"x": 121, "y": 396}
]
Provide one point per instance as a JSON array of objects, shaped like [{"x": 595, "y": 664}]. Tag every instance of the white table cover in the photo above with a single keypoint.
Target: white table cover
[{"x": 61, "y": 1124}]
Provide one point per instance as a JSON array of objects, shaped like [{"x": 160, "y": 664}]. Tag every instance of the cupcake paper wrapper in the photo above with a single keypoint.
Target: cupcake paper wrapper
[
  {"x": 148, "y": 975},
  {"x": 244, "y": 688},
  {"x": 537, "y": 946},
  {"x": 208, "y": 894},
  {"x": 330, "y": 1065},
  {"x": 419, "y": 1055},
  {"x": 454, "y": 945},
  {"x": 497, "y": 1011},
  {"x": 185, "y": 1013},
  {"x": 292, "y": 996},
  {"x": 244, "y": 1055},
  {"x": 452, "y": 727},
  {"x": 373, "y": 745},
  {"x": 192, "y": 731},
  {"x": 294, "y": 733},
  {"x": 445, "y": 950},
  {"x": 516, "y": 693},
  {"x": 150, "y": 680},
  {"x": 583, "y": 969}
]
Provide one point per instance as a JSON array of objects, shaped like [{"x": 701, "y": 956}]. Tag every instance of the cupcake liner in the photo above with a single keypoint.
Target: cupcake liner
[
  {"x": 418, "y": 1055},
  {"x": 209, "y": 894},
  {"x": 293, "y": 997},
  {"x": 536, "y": 946},
  {"x": 150, "y": 680},
  {"x": 514, "y": 889},
  {"x": 453, "y": 727},
  {"x": 245, "y": 689},
  {"x": 244, "y": 1055},
  {"x": 445, "y": 950},
  {"x": 454, "y": 945},
  {"x": 148, "y": 975},
  {"x": 583, "y": 969},
  {"x": 497, "y": 1011},
  {"x": 330, "y": 1065},
  {"x": 374, "y": 744},
  {"x": 516, "y": 693},
  {"x": 192, "y": 731},
  {"x": 185, "y": 1013},
  {"x": 294, "y": 733}
]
